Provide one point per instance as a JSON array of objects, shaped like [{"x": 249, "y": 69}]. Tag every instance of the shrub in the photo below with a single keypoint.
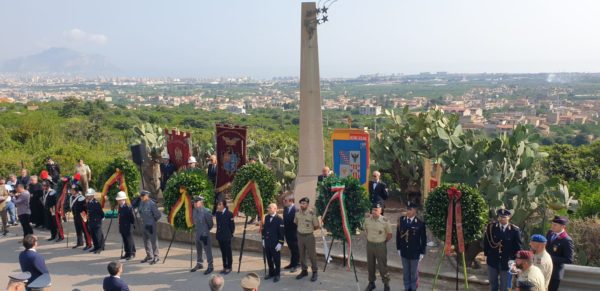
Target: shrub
[{"x": 586, "y": 235}]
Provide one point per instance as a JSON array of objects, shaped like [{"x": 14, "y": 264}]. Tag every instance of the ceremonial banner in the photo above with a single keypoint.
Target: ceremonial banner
[
  {"x": 231, "y": 153},
  {"x": 179, "y": 147},
  {"x": 351, "y": 154}
]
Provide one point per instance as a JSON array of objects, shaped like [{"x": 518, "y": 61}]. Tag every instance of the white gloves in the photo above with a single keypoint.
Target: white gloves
[
  {"x": 278, "y": 247},
  {"x": 421, "y": 256},
  {"x": 399, "y": 253},
  {"x": 263, "y": 243}
]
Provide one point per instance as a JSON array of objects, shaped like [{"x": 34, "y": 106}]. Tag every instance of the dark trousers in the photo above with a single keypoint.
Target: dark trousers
[
  {"x": 81, "y": 231},
  {"x": 273, "y": 260},
  {"x": 97, "y": 236},
  {"x": 24, "y": 219},
  {"x": 51, "y": 223},
  {"x": 554, "y": 284},
  {"x": 292, "y": 243},
  {"x": 128, "y": 244},
  {"x": 226, "y": 253}
]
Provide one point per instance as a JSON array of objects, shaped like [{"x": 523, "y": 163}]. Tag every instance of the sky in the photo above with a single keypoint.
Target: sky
[{"x": 261, "y": 38}]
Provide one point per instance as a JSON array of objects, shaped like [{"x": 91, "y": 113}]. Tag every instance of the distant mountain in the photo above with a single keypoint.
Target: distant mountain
[{"x": 59, "y": 60}]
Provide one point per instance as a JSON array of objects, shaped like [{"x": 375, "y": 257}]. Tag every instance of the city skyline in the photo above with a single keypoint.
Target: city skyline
[{"x": 261, "y": 39}]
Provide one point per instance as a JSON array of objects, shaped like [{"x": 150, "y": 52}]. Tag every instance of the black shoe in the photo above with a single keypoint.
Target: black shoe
[
  {"x": 288, "y": 267},
  {"x": 314, "y": 277},
  {"x": 208, "y": 270},
  {"x": 98, "y": 251},
  {"x": 371, "y": 286},
  {"x": 276, "y": 279},
  {"x": 156, "y": 259},
  {"x": 147, "y": 259},
  {"x": 5, "y": 233},
  {"x": 226, "y": 271},
  {"x": 93, "y": 250},
  {"x": 87, "y": 248},
  {"x": 76, "y": 246},
  {"x": 128, "y": 258},
  {"x": 302, "y": 274},
  {"x": 59, "y": 239},
  {"x": 267, "y": 277},
  {"x": 197, "y": 267}
]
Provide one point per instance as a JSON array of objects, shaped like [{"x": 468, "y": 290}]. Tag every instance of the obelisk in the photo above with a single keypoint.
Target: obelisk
[{"x": 311, "y": 119}]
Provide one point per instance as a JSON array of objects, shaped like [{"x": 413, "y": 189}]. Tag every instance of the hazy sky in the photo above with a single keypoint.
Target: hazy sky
[{"x": 261, "y": 38}]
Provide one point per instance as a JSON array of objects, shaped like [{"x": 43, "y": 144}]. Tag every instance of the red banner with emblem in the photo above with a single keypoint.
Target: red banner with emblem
[
  {"x": 179, "y": 147},
  {"x": 231, "y": 153}
]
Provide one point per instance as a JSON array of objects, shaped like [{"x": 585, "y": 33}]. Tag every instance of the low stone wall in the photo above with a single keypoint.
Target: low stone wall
[{"x": 580, "y": 278}]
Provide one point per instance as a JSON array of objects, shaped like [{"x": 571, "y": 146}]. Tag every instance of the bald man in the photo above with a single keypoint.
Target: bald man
[{"x": 272, "y": 240}]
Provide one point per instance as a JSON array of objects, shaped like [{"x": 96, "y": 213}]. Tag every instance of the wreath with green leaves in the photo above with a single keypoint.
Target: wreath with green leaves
[
  {"x": 474, "y": 212},
  {"x": 263, "y": 177},
  {"x": 196, "y": 183},
  {"x": 357, "y": 204},
  {"x": 131, "y": 175}
]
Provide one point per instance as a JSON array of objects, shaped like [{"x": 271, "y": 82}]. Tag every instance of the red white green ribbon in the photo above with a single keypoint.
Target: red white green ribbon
[
  {"x": 184, "y": 202},
  {"x": 250, "y": 187},
  {"x": 339, "y": 195},
  {"x": 116, "y": 177}
]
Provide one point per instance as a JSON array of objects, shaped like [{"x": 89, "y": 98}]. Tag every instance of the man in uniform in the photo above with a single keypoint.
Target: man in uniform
[
  {"x": 290, "y": 231},
  {"x": 561, "y": 248},
  {"x": 166, "y": 170},
  {"x": 203, "y": 223},
  {"x": 17, "y": 281},
  {"x": 250, "y": 282},
  {"x": 411, "y": 243},
  {"x": 527, "y": 272},
  {"x": 272, "y": 241},
  {"x": 502, "y": 240},
  {"x": 95, "y": 218},
  {"x": 307, "y": 222},
  {"x": 77, "y": 208},
  {"x": 126, "y": 220},
  {"x": 150, "y": 216},
  {"x": 541, "y": 258},
  {"x": 49, "y": 201},
  {"x": 378, "y": 191},
  {"x": 379, "y": 232},
  {"x": 225, "y": 230}
]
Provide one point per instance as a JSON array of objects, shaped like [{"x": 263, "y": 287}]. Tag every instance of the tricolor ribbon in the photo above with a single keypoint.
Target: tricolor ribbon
[
  {"x": 116, "y": 177},
  {"x": 339, "y": 195},
  {"x": 251, "y": 187},
  {"x": 186, "y": 202},
  {"x": 454, "y": 196}
]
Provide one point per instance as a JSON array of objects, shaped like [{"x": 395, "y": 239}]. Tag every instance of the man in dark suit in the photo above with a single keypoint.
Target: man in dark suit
[
  {"x": 126, "y": 221},
  {"x": 95, "y": 217},
  {"x": 561, "y": 248},
  {"x": 49, "y": 201},
  {"x": 114, "y": 281},
  {"x": 324, "y": 174},
  {"x": 501, "y": 242},
  {"x": 411, "y": 243},
  {"x": 30, "y": 260},
  {"x": 272, "y": 241},
  {"x": 225, "y": 230},
  {"x": 378, "y": 191},
  {"x": 291, "y": 232}
]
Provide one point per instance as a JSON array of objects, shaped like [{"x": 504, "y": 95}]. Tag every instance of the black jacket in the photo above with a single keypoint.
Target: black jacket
[
  {"x": 225, "y": 225},
  {"x": 562, "y": 252},
  {"x": 272, "y": 232},
  {"x": 290, "y": 228},
  {"x": 411, "y": 238},
  {"x": 499, "y": 247},
  {"x": 126, "y": 219},
  {"x": 95, "y": 213},
  {"x": 380, "y": 193}
]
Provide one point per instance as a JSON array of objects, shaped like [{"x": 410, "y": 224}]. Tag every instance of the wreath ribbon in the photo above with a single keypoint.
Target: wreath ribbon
[
  {"x": 59, "y": 207},
  {"x": 454, "y": 204},
  {"x": 250, "y": 187},
  {"x": 184, "y": 202},
  {"x": 116, "y": 177},
  {"x": 339, "y": 195}
]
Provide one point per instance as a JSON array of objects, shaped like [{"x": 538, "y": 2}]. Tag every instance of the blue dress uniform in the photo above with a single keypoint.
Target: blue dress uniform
[
  {"x": 500, "y": 244},
  {"x": 95, "y": 217},
  {"x": 112, "y": 283},
  {"x": 77, "y": 207},
  {"x": 225, "y": 230},
  {"x": 291, "y": 235},
  {"x": 126, "y": 221},
  {"x": 561, "y": 249},
  {"x": 411, "y": 241},
  {"x": 272, "y": 234}
]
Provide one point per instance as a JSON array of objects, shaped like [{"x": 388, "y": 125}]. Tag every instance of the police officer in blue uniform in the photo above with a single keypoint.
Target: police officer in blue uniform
[
  {"x": 411, "y": 243},
  {"x": 95, "y": 217},
  {"x": 561, "y": 248},
  {"x": 272, "y": 240},
  {"x": 502, "y": 240}
]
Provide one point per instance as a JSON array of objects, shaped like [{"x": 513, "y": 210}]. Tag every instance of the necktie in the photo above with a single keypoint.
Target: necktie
[{"x": 553, "y": 237}]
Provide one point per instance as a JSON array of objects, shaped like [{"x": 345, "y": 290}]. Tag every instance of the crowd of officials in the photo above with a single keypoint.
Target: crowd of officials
[{"x": 509, "y": 265}]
